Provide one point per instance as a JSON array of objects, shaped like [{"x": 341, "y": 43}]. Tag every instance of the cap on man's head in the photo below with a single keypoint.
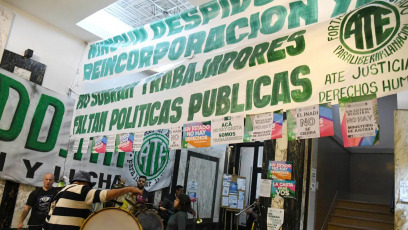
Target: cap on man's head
[{"x": 82, "y": 176}]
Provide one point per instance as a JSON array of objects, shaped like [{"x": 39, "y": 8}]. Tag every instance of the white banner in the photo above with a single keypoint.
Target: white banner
[
  {"x": 34, "y": 140},
  {"x": 285, "y": 69}
]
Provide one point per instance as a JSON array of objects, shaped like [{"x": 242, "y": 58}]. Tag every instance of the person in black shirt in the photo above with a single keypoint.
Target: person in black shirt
[
  {"x": 178, "y": 221},
  {"x": 253, "y": 214},
  {"x": 38, "y": 202}
]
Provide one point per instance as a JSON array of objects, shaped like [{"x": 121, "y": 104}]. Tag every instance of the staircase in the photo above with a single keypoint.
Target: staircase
[{"x": 361, "y": 215}]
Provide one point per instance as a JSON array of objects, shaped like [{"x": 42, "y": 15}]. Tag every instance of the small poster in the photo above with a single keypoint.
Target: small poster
[
  {"x": 277, "y": 125},
  {"x": 241, "y": 198},
  {"x": 359, "y": 121},
  {"x": 124, "y": 142},
  {"x": 85, "y": 144},
  {"x": 225, "y": 201},
  {"x": 192, "y": 190},
  {"x": 110, "y": 145},
  {"x": 225, "y": 191},
  {"x": 280, "y": 170},
  {"x": 258, "y": 127},
  {"x": 76, "y": 145},
  {"x": 227, "y": 130},
  {"x": 310, "y": 122},
  {"x": 175, "y": 138},
  {"x": 285, "y": 189},
  {"x": 138, "y": 140},
  {"x": 313, "y": 180},
  {"x": 99, "y": 144},
  {"x": 197, "y": 135},
  {"x": 233, "y": 188},
  {"x": 404, "y": 191},
  {"x": 265, "y": 188},
  {"x": 226, "y": 177},
  {"x": 233, "y": 201},
  {"x": 275, "y": 218},
  {"x": 241, "y": 183}
]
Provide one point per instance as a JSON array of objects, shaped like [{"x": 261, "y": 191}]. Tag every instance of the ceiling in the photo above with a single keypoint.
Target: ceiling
[{"x": 64, "y": 14}]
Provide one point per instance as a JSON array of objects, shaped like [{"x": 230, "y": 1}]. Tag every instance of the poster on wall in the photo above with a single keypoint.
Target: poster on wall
[
  {"x": 275, "y": 218},
  {"x": 6, "y": 18},
  {"x": 359, "y": 121},
  {"x": 197, "y": 135},
  {"x": 310, "y": 122},
  {"x": 227, "y": 130},
  {"x": 280, "y": 170},
  {"x": 285, "y": 189}
]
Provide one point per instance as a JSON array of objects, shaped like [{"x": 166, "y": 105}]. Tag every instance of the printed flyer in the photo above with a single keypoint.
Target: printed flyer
[
  {"x": 124, "y": 142},
  {"x": 285, "y": 189},
  {"x": 197, "y": 135},
  {"x": 264, "y": 126},
  {"x": 99, "y": 144},
  {"x": 280, "y": 170},
  {"x": 310, "y": 122},
  {"x": 175, "y": 138},
  {"x": 359, "y": 121},
  {"x": 227, "y": 130}
]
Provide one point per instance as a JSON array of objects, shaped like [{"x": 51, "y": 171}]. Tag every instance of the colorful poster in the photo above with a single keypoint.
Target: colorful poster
[
  {"x": 280, "y": 170},
  {"x": 359, "y": 121},
  {"x": 227, "y": 130},
  {"x": 124, "y": 142},
  {"x": 310, "y": 122},
  {"x": 175, "y": 138},
  {"x": 197, "y": 135},
  {"x": 258, "y": 127},
  {"x": 285, "y": 189},
  {"x": 277, "y": 125},
  {"x": 99, "y": 144}
]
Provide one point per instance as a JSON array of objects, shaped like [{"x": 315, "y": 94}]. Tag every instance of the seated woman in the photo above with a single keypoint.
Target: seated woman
[{"x": 178, "y": 220}]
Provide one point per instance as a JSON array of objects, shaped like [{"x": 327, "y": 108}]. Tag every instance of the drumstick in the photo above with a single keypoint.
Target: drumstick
[{"x": 131, "y": 203}]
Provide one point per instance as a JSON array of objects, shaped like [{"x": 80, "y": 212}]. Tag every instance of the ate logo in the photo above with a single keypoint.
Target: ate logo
[
  {"x": 153, "y": 156},
  {"x": 369, "y": 28}
]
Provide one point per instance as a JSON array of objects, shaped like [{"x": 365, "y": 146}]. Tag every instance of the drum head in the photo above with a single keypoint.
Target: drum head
[
  {"x": 150, "y": 220},
  {"x": 111, "y": 218}
]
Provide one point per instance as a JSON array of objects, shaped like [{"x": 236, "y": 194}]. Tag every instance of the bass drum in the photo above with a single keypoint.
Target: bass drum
[
  {"x": 111, "y": 218},
  {"x": 150, "y": 220}
]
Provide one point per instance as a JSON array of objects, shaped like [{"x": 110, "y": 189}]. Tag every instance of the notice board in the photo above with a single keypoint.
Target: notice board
[{"x": 233, "y": 192}]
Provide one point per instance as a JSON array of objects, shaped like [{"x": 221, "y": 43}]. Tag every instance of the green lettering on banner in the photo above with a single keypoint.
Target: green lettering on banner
[
  {"x": 230, "y": 35},
  {"x": 238, "y": 8},
  {"x": 176, "y": 107},
  {"x": 209, "y": 10},
  {"x": 235, "y": 108},
  {"x": 17, "y": 122},
  {"x": 191, "y": 18},
  {"x": 305, "y": 83},
  {"x": 298, "y": 10},
  {"x": 223, "y": 100},
  {"x": 210, "y": 97},
  {"x": 195, "y": 43},
  {"x": 194, "y": 106},
  {"x": 268, "y": 15},
  {"x": 264, "y": 101},
  {"x": 280, "y": 84},
  {"x": 38, "y": 119}
]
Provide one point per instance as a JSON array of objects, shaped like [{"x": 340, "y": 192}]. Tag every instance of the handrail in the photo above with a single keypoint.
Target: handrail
[{"x": 333, "y": 204}]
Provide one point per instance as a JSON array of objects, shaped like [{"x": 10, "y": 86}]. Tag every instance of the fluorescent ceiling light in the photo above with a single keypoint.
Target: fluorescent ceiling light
[{"x": 104, "y": 25}]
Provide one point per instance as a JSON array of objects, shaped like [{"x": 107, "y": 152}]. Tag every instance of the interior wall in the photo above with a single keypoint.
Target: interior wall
[
  {"x": 371, "y": 177},
  {"x": 58, "y": 50},
  {"x": 332, "y": 176}
]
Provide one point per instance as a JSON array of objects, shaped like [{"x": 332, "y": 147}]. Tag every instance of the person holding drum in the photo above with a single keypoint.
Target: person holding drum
[
  {"x": 178, "y": 221},
  {"x": 72, "y": 205}
]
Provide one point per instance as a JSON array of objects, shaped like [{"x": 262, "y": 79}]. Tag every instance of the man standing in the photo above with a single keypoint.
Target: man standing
[
  {"x": 39, "y": 202},
  {"x": 139, "y": 198},
  {"x": 73, "y": 204}
]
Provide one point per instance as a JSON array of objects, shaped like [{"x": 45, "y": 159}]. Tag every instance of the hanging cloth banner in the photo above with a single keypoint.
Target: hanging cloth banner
[
  {"x": 208, "y": 30},
  {"x": 279, "y": 69},
  {"x": 359, "y": 121},
  {"x": 310, "y": 122}
]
